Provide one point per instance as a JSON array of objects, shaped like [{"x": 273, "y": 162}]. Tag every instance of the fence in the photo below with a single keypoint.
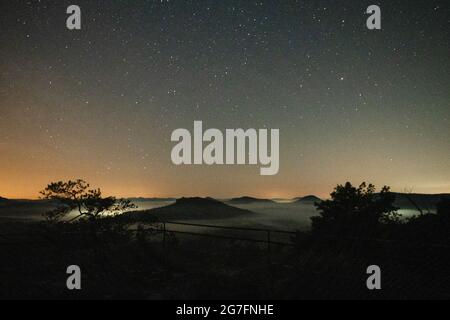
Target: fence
[
  {"x": 162, "y": 227},
  {"x": 268, "y": 233},
  {"x": 268, "y": 238}
]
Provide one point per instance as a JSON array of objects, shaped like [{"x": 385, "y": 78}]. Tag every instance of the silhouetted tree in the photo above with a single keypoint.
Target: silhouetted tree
[
  {"x": 355, "y": 211},
  {"x": 76, "y": 196},
  {"x": 443, "y": 208}
]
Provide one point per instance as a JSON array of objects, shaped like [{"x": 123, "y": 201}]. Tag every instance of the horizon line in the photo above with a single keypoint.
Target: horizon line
[{"x": 226, "y": 198}]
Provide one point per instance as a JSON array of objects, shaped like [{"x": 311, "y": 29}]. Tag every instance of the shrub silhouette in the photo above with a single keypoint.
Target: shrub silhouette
[
  {"x": 354, "y": 211},
  {"x": 76, "y": 195},
  {"x": 443, "y": 208}
]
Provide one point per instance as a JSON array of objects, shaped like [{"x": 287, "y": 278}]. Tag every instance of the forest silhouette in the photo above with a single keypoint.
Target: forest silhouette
[{"x": 125, "y": 253}]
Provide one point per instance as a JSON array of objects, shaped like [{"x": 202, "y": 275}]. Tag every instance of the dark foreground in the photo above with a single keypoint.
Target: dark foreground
[{"x": 118, "y": 263}]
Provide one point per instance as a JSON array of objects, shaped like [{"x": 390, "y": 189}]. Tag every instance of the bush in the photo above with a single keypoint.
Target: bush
[{"x": 356, "y": 211}]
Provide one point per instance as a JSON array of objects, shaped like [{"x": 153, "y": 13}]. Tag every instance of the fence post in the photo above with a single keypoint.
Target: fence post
[{"x": 164, "y": 234}]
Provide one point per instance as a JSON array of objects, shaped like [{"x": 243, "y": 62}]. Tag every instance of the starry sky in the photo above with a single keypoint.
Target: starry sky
[{"x": 100, "y": 103}]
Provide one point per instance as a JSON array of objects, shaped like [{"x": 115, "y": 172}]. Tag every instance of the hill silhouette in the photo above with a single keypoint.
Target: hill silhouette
[
  {"x": 141, "y": 199},
  {"x": 248, "y": 200},
  {"x": 308, "y": 199},
  {"x": 426, "y": 202},
  {"x": 189, "y": 208},
  {"x": 4, "y": 201}
]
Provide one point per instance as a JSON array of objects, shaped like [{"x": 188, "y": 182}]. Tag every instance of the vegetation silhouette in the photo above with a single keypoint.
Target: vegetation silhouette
[
  {"x": 443, "y": 209},
  {"x": 127, "y": 258},
  {"x": 76, "y": 196},
  {"x": 354, "y": 211},
  {"x": 430, "y": 228}
]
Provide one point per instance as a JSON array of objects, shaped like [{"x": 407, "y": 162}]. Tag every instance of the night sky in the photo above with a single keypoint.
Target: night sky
[{"x": 100, "y": 103}]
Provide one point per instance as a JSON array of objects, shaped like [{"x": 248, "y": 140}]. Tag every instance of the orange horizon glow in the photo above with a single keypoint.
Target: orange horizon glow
[
  {"x": 7, "y": 192},
  {"x": 100, "y": 104}
]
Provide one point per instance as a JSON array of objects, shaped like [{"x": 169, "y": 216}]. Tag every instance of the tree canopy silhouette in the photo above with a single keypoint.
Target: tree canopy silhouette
[
  {"x": 77, "y": 196},
  {"x": 355, "y": 210},
  {"x": 443, "y": 208}
]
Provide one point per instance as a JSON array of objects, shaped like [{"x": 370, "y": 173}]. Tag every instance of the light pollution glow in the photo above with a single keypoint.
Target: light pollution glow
[{"x": 100, "y": 103}]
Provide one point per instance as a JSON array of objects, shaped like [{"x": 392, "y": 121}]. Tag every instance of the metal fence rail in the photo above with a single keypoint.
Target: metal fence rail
[
  {"x": 8, "y": 240},
  {"x": 228, "y": 227},
  {"x": 268, "y": 238}
]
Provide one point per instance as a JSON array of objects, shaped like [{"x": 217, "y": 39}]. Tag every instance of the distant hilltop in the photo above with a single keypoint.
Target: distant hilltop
[
  {"x": 248, "y": 200},
  {"x": 142, "y": 199},
  {"x": 426, "y": 202},
  {"x": 189, "y": 208},
  {"x": 6, "y": 202},
  {"x": 307, "y": 199}
]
